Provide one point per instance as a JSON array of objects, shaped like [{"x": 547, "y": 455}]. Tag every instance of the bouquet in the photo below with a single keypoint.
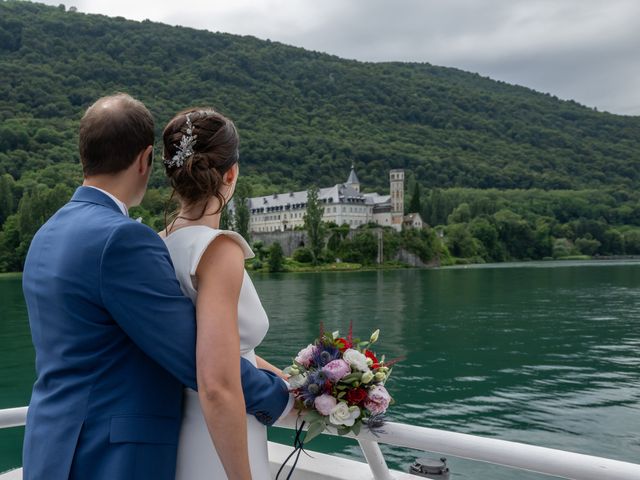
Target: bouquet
[{"x": 339, "y": 381}]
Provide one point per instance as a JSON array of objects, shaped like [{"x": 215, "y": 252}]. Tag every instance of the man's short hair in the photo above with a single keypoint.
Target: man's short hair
[{"x": 113, "y": 131}]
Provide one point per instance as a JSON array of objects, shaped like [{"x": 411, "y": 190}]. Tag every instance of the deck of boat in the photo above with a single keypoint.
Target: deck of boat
[{"x": 317, "y": 466}]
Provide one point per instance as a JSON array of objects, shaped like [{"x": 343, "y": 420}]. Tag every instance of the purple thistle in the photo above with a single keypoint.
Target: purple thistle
[
  {"x": 314, "y": 387},
  {"x": 325, "y": 354}
]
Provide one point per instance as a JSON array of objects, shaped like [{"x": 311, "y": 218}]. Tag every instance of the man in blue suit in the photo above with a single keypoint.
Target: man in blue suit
[{"x": 113, "y": 334}]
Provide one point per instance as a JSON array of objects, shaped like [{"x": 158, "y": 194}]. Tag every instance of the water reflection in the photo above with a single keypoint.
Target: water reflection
[
  {"x": 543, "y": 356},
  {"x": 547, "y": 356}
]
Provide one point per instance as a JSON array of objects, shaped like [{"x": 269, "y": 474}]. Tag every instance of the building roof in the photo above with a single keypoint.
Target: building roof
[
  {"x": 339, "y": 193},
  {"x": 353, "y": 178},
  {"x": 376, "y": 199},
  {"x": 410, "y": 217}
]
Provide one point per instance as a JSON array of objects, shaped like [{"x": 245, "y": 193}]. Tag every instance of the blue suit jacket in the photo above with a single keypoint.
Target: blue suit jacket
[{"x": 115, "y": 344}]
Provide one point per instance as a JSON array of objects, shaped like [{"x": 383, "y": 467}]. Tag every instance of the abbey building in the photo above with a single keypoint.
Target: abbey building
[{"x": 342, "y": 203}]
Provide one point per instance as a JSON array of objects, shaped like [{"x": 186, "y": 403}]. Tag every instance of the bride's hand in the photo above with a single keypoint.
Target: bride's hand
[{"x": 262, "y": 363}]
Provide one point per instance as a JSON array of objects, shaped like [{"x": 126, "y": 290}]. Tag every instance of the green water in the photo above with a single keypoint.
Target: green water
[{"x": 542, "y": 353}]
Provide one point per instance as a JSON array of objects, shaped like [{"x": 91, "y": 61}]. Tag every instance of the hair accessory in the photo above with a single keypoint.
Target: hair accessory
[{"x": 185, "y": 149}]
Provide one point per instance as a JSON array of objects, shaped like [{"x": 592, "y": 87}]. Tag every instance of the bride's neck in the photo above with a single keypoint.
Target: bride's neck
[{"x": 193, "y": 215}]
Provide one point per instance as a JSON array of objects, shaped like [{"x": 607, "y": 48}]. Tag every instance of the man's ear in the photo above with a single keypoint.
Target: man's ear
[{"x": 145, "y": 160}]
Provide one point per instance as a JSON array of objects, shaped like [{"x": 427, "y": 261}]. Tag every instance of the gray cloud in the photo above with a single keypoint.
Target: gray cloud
[{"x": 576, "y": 49}]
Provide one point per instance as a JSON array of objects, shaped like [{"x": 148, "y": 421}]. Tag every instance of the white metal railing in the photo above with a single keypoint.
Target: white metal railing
[
  {"x": 548, "y": 461},
  {"x": 13, "y": 417}
]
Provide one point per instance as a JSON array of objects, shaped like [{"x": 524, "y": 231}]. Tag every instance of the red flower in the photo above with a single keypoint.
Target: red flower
[
  {"x": 343, "y": 344},
  {"x": 356, "y": 396},
  {"x": 369, "y": 354}
]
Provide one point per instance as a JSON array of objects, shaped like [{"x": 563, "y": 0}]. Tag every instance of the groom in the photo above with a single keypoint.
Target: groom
[{"x": 113, "y": 334}]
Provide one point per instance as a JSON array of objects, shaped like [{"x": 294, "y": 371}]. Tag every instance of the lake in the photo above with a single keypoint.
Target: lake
[{"x": 544, "y": 353}]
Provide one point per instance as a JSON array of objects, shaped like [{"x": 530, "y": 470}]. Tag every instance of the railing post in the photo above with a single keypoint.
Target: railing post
[
  {"x": 375, "y": 459},
  {"x": 13, "y": 417}
]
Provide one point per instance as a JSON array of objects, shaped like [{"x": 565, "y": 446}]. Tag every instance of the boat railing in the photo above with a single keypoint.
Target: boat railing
[{"x": 547, "y": 461}]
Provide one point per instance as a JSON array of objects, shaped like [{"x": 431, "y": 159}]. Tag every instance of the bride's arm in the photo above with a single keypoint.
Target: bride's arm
[
  {"x": 262, "y": 363},
  {"x": 219, "y": 274}
]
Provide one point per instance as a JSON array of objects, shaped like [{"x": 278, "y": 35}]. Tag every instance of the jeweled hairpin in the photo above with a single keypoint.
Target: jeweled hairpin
[{"x": 185, "y": 149}]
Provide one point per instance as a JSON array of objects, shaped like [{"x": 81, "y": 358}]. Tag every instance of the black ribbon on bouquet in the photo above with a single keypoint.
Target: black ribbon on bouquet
[{"x": 298, "y": 448}]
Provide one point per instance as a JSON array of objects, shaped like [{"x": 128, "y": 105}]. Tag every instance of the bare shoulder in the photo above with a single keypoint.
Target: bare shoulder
[{"x": 223, "y": 255}]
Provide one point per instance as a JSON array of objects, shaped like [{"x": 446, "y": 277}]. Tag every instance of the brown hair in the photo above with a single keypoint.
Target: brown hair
[
  {"x": 215, "y": 151},
  {"x": 113, "y": 131}
]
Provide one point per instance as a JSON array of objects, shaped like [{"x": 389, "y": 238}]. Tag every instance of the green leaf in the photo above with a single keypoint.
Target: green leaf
[
  {"x": 352, "y": 377},
  {"x": 313, "y": 416},
  {"x": 356, "y": 428},
  {"x": 315, "y": 429},
  {"x": 342, "y": 430}
]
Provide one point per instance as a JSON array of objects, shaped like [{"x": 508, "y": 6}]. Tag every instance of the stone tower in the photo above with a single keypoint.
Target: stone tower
[
  {"x": 396, "y": 189},
  {"x": 353, "y": 181}
]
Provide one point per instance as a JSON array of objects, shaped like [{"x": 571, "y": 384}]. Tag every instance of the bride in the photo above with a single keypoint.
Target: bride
[{"x": 201, "y": 161}]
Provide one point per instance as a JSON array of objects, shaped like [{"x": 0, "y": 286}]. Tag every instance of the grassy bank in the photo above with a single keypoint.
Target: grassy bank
[
  {"x": 11, "y": 275},
  {"x": 292, "y": 266}
]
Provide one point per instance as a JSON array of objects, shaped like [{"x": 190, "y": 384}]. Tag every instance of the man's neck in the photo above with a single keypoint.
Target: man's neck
[{"x": 113, "y": 185}]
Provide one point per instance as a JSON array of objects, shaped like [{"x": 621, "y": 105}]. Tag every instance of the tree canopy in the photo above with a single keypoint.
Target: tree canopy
[{"x": 304, "y": 117}]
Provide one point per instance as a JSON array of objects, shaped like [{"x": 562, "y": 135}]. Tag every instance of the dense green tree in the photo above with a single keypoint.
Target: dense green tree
[
  {"x": 259, "y": 249},
  {"x": 632, "y": 242},
  {"x": 461, "y": 243},
  {"x": 7, "y": 186},
  {"x": 241, "y": 214},
  {"x": 303, "y": 255},
  {"x": 226, "y": 219},
  {"x": 613, "y": 243},
  {"x": 314, "y": 225},
  {"x": 563, "y": 247},
  {"x": 587, "y": 245},
  {"x": 515, "y": 233},
  {"x": 485, "y": 232},
  {"x": 362, "y": 248},
  {"x": 462, "y": 214},
  {"x": 415, "y": 205},
  {"x": 276, "y": 258},
  {"x": 423, "y": 242},
  {"x": 336, "y": 235}
]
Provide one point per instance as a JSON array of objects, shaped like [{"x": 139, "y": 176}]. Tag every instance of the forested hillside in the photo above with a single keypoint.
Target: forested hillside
[{"x": 304, "y": 118}]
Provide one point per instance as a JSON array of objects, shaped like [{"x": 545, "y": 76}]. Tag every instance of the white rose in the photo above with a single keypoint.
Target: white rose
[
  {"x": 297, "y": 381},
  {"x": 356, "y": 359},
  {"x": 343, "y": 414},
  {"x": 367, "y": 377},
  {"x": 379, "y": 376},
  {"x": 291, "y": 370}
]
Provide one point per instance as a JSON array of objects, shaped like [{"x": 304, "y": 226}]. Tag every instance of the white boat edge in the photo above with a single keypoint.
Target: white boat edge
[
  {"x": 546, "y": 461},
  {"x": 316, "y": 466}
]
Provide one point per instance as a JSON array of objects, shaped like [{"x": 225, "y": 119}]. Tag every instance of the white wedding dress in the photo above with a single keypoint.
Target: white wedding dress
[{"x": 197, "y": 457}]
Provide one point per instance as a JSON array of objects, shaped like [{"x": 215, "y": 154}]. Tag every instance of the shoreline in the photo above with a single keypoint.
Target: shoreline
[{"x": 355, "y": 267}]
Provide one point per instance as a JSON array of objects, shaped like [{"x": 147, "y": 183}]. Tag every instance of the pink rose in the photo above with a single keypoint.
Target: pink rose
[
  {"x": 336, "y": 369},
  {"x": 377, "y": 400},
  {"x": 325, "y": 403},
  {"x": 305, "y": 355}
]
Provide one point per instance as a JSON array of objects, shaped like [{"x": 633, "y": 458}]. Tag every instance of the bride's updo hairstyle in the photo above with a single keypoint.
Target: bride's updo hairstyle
[{"x": 200, "y": 146}]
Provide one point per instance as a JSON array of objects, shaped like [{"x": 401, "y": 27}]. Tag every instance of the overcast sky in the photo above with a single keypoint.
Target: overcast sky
[{"x": 586, "y": 50}]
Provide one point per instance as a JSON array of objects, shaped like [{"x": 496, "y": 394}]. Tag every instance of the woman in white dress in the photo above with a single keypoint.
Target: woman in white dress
[{"x": 201, "y": 160}]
